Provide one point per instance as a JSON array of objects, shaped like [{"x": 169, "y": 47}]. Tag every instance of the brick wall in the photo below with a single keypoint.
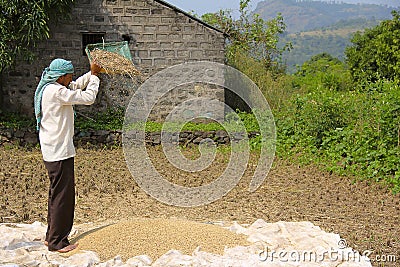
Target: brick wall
[{"x": 159, "y": 36}]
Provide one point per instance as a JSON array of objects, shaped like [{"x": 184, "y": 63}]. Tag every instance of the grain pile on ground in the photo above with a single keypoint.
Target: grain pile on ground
[
  {"x": 113, "y": 63},
  {"x": 278, "y": 244},
  {"x": 155, "y": 237}
]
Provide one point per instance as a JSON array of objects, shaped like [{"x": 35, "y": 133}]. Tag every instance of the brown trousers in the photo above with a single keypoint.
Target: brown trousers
[{"x": 61, "y": 203}]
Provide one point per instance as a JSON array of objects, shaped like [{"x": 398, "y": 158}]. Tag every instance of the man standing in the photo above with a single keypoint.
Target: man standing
[{"x": 54, "y": 99}]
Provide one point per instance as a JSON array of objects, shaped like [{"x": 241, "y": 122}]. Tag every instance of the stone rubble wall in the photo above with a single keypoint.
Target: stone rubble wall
[{"x": 29, "y": 137}]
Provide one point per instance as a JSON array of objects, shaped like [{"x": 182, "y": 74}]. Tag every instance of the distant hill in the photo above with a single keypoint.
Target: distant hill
[
  {"x": 333, "y": 40},
  {"x": 307, "y": 15},
  {"x": 314, "y": 27},
  {"x": 390, "y": 3}
]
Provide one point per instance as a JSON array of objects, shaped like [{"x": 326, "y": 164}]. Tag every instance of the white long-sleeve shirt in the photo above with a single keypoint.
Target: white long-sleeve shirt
[{"x": 57, "y": 125}]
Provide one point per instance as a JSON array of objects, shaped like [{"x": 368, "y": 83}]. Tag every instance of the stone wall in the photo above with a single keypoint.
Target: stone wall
[
  {"x": 159, "y": 36},
  {"x": 28, "y": 137}
]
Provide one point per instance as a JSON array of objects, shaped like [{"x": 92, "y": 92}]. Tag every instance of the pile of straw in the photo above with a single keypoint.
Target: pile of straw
[{"x": 113, "y": 63}]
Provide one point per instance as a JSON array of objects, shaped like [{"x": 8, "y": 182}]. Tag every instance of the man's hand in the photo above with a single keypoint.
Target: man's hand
[{"x": 94, "y": 68}]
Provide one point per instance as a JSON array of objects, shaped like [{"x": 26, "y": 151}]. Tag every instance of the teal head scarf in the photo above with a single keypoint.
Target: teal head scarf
[{"x": 58, "y": 67}]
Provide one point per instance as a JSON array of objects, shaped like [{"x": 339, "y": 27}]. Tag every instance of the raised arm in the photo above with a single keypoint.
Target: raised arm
[{"x": 83, "y": 81}]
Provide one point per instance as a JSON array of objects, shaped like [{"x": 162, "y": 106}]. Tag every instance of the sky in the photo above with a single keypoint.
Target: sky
[{"x": 201, "y": 7}]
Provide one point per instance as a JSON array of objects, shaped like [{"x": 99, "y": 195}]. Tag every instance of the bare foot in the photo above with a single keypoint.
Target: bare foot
[{"x": 68, "y": 248}]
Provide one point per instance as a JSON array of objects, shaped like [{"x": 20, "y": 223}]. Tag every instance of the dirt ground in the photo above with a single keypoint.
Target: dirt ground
[{"x": 366, "y": 215}]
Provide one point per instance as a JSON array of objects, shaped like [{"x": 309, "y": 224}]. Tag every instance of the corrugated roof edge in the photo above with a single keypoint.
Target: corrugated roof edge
[{"x": 187, "y": 14}]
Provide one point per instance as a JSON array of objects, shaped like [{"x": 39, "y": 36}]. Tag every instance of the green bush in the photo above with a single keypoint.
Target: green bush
[
  {"x": 374, "y": 54},
  {"x": 111, "y": 119},
  {"x": 323, "y": 72},
  {"x": 277, "y": 88},
  {"x": 16, "y": 121},
  {"x": 353, "y": 132}
]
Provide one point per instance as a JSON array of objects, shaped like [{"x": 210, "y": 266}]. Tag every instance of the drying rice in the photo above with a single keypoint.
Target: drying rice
[
  {"x": 279, "y": 244},
  {"x": 155, "y": 237}
]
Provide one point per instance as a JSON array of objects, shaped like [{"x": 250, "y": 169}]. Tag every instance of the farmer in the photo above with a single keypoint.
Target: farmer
[{"x": 54, "y": 99}]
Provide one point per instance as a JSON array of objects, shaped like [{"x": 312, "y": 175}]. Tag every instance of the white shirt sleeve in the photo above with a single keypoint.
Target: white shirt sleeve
[
  {"x": 78, "y": 96},
  {"x": 81, "y": 83}
]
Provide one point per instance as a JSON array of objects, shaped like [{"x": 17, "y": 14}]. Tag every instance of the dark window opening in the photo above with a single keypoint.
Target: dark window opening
[
  {"x": 91, "y": 38},
  {"x": 126, "y": 37}
]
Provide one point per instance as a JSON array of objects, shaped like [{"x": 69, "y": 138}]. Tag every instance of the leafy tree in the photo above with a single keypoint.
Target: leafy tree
[
  {"x": 23, "y": 23},
  {"x": 323, "y": 71},
  {"x": 375, "y": 54},
  {"x": 250, "y": 35},
  {"x": 318, "y": 63}
]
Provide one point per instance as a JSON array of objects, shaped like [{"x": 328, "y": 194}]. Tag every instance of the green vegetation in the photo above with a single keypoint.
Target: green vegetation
[
  {"x": 375, "y": 54},
  {"x": 111, "y": 119},
  {"x": 24, "y": 23},
  {"x": 250, "y": 35},
  {"x": 326, "y": 114},
  {"x": 230, "y": 124},
  {"x": 16, "y": 121},
  {"x": 347, "y": 130}
]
